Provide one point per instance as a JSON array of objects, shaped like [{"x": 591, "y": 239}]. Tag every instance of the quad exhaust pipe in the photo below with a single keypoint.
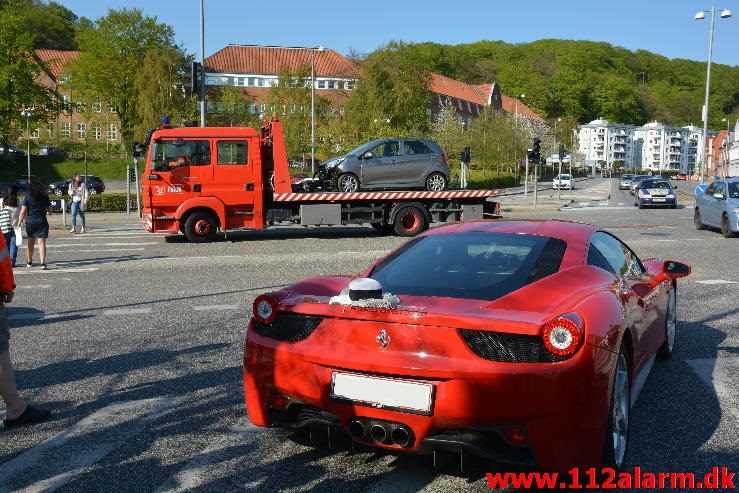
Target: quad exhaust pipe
[{"x": 380, "y": 432}]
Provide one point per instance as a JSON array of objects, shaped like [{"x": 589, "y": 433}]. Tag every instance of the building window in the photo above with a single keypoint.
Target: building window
[
  {"x": 96, "y": 131},
  {"x": 252, "y": 81},
  {"x": 34, "y": 133},
  {"x": 260, "y": 82},
  {"x": 97, "y": 107},
  {"x": 262, "y": 108},
  {"x": 111, "y": 108},
  {"x": 80, "y": 107},
  {"x": 112, "y": 131},
  {"x": 66, "y": 105},
  {"x": 469, "y": 108},
  {"x": 50, "y": 130},
  {"x": 332, "y": 84},
  {"x": 349, "y": 85},
  {"x": 81, "y": 130},
  {"x": 459, "y": 104},
  {"x": 321, "y": 84},
  {"x": 252, "y": 108},
  {"x": 66, "y": 130}
]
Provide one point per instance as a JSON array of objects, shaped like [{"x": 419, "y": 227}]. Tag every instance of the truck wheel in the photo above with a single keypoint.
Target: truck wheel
[
  {"x": 347, "y": 183},
  {"x": 200, "y": 227},
  {"x": 436, "y": 182},
  {"x": 409, "y": 221}
]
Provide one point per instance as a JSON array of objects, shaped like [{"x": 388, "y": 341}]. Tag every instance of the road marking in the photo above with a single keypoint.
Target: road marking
[
  {"x": 196, "y": 472},
  {"x": 109, "y": 250},
  {"x": 716, "y": 281},
  {"x": 108, "y": 244},
  {"x": 54, "y": 270},
  {"x": 37, "y": 286},
  {"x": 126, "y": 311},
  {"x": 202, "y": 308},
  {"x": 54, "y": 462}
]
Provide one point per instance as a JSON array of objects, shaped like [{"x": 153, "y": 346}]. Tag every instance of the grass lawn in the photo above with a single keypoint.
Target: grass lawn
[{"x": 50, "y": 169}]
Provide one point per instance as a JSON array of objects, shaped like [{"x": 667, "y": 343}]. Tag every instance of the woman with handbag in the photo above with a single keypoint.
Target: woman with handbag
[{"x": 78, "y": 192}]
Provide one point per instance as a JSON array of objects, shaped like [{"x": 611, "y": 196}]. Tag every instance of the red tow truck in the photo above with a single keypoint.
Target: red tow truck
[{"x": 199, "y": 180}]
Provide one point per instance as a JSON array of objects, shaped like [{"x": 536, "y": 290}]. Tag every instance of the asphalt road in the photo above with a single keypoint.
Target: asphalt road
[{"x": 135, "y": 341}]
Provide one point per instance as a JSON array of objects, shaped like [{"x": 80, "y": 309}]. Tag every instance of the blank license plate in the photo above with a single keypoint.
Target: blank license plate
[
  {"x": 658, "y": 200},
  {"x": 383, "y": 393}
]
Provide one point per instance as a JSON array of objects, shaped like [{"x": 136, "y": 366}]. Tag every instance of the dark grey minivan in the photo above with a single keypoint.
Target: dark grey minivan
[{"x": 387, "y": 163}]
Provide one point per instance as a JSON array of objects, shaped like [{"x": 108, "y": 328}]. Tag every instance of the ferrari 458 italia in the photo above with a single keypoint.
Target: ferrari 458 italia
[{"x": 522, "y": 342}]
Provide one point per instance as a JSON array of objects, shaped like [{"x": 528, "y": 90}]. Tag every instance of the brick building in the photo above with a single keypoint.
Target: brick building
[{"x": 76, "y": 122}]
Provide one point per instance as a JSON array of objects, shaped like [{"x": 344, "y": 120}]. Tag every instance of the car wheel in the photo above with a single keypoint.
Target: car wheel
[
  {"x": 725, "y": 230},
  {"x": 409, "y": 221},
  {"x": 58, "y": 192},
  {"x": 200, "y": 227},
  {"x": 697, "y": 220},
  {"x": 93, "y": 191},
  {"x": 436, "y": 182},
  {"x": 347, "y": 183},
  {"x": 617, "y": 429},
  {"x": 665, "y": 351}
]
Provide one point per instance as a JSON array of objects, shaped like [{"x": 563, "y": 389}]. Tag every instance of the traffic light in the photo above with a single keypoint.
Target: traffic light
[
  {"x": 536, "y": 150},
  {"x": 562, "y": 152},
  {"x": 193, "y": 84},
  {"x": 136, "y": 149},
  {"x": 465, "y": 156},
  {"x": 132, "y": 175}
]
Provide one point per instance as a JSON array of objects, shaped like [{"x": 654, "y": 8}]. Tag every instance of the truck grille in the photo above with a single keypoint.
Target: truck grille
[
  {"x": 289, "y": 327},
  {"x": 505, "y": 347}
]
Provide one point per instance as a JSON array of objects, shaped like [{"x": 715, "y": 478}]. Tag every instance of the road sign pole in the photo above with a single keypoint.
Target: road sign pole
[
  {"x": 536, "y": 194},
  {"x": 526, "y": 178}
]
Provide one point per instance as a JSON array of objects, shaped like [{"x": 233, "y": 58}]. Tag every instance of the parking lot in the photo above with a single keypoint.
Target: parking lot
[{"x": 135, "y": 341}]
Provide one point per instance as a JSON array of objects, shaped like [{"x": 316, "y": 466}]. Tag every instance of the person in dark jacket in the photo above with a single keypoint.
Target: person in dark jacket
[
  {"x": 17, "y": 412},
  {"x": 33, "y": 210}
]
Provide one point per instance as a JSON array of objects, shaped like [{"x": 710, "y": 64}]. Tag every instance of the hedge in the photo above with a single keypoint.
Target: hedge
[{"x": 104, "y": 202}]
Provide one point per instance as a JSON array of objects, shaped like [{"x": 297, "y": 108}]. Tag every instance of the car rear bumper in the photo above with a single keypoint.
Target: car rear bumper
[{"x": 560, "y": 407}]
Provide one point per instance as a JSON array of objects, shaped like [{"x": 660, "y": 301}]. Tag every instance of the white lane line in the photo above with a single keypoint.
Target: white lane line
[
  {"x": 680, "y": 239},
  {"x": 202, "y": 308},
  {"x": 56, "y": 461},
  {"x": 107, "y": 244},
  {"x": 126, "y": 311},
  {"x": 108, "y": 250},
  {"x": 716, "y": 281},
  {"x": 37, "y": 286},
  {"x": 199, "y": 470},
  {"x": 53, "y": 270}
]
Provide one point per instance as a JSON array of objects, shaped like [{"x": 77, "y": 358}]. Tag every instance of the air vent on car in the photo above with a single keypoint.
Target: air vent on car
[
  {"x": 505, "y": 347},
  {"x": 289, "y": 327}
]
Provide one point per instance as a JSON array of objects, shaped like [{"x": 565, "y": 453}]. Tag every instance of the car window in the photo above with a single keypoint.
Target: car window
[
  {"x": 411, "y": 147},
  {"x": 391, "y": 148},
  {"x": 232, "y": 152},
  {"x": 378, "y": 150},
  {"x": 719, "y": 188},
  {"x": 734, "y": 190},
  {"x": 483, "y": 266},
  {"x": 711, "y": 188},
  {"x": 174, "y": 153},
  {"x": 621, "y": 259},
  {"x": 596, "y": 258}
]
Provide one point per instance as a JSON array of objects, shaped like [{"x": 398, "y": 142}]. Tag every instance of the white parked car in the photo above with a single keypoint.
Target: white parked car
[{"x": 563, "y": 181}]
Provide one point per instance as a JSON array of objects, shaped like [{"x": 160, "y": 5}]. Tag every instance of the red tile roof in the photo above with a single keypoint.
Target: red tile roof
[
  {"x": 56, "y": 60},
  {"x": 509, "y": 106},
  {"x": 269, "y": 60},
  {"x": 441, "y": 84}
]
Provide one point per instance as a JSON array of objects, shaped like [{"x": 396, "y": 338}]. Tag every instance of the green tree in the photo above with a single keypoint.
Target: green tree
[
  {"x": 229, "y": 109},
  {"x": 113, "y": 51},
  {"x": 18, "y": 71},
  {"x": 158, "y": 84},
  {"x": 392, "y": 96},
  {"x": 52, "y": 25}
]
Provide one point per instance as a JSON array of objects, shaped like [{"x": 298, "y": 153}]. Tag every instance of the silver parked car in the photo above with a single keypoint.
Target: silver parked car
[
  {"x": 718, "y": 207},
  {"x": 625, "y": 181},
  {"x": 387, "y": 163}
]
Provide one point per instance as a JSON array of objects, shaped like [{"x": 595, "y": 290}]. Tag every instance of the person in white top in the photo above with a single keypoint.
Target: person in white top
[
  {"x": 9, "y": 226},
  {"x": 78, "y": 192}
]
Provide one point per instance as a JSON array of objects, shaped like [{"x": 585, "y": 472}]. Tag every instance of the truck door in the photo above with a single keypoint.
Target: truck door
[
  {"x": 182, "y": 167},
  {"x": 233, "y": 179}
]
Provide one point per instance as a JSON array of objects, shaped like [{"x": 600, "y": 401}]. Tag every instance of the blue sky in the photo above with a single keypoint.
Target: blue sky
[{"x": 666, "y": 27}]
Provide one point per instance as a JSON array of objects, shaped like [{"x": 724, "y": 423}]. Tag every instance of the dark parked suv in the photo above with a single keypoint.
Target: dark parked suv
[
  {"x": 94, "y": 185},
  {"x": 387, "y": 163}
]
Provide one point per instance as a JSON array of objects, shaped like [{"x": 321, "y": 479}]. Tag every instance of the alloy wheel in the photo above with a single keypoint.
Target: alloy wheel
[
  {"x": 436, "y": 183},
  {"x": 620, "y": 407},
  {"x": 348, "y": 183},
  {"x": 671, "y": 321}
]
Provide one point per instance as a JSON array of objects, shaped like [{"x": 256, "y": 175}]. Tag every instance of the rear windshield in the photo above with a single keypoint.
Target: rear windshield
[
  {"x": 655, "y": 184},
  {"x": 483, "y": 266}
]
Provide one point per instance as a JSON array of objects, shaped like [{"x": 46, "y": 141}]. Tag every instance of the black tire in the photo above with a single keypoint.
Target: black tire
[
  {"x": 666, "y": 349},
  {"x": 697, "y": 220},
  {"x": 93, "y": 191},
  {"x": 610, "y": 453},
  {"x": 200, "y": 227},
  {"x": 409, "y": 221},
  {"x": 347, "y": 182},
  {"x": 436, "y": 182},
  {"x": 58, "y": 192},
  {"x": 725, "y": 230}
]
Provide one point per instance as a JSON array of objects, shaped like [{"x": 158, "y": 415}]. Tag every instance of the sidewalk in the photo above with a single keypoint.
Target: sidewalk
[{"x": 98, "y": 220}]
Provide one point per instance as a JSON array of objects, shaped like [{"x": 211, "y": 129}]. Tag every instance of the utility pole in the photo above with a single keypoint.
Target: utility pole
[{"x": 202, "y": 66}]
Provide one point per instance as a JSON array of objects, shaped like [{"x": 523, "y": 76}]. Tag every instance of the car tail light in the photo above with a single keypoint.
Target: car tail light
[
  {"x": 563, "y": 335},
  {"x": 515, "y": 435},
  {"x": 265, "y": 309}
]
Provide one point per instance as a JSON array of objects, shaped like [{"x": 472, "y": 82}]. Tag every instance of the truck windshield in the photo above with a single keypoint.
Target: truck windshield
[{"x": 169, "y": 154}]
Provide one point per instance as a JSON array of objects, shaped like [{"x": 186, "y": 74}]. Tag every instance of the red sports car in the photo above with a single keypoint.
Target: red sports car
[{"x": 524, "y": 342}]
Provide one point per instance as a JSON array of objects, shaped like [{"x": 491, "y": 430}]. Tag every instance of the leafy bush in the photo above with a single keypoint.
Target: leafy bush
[{"x": 105, "y": 202}]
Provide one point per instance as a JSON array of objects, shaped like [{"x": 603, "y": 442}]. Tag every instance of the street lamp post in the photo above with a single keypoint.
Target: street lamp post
[
  {"x": 202, "y": 64},
  {"x": 515, "y": 140},
  {"x": 27, "y": 114},
  {"x": 725, "y": 13},
  {"x": 313, "y": 108}
]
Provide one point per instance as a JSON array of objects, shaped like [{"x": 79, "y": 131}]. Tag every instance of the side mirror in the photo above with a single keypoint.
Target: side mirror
[
  {"x": 675, "y": 270},
  {"x": 367, "y": 155},
  {"x": 718, "y": 195}
]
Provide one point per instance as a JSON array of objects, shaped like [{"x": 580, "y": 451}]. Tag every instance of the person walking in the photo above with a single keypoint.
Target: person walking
[
  {"x": 17, "y": 412},
  {"x": 78, "y": 192},
  {"x": 9, "y": 220},
  {"x": 34, "y": 208}
]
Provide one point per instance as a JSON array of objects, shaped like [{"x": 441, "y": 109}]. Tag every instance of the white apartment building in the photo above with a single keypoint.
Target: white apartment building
[
  {"x": 654, "y": 146},
  {"x": 601, "y": 141}
]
